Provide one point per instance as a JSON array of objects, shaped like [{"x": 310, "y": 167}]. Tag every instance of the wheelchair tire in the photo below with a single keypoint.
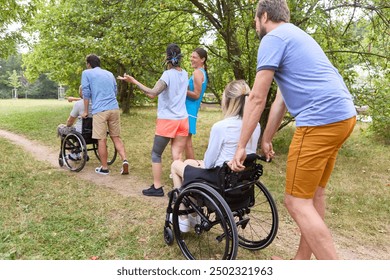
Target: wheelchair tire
[
  {"x": 60, "y": 162},
  {"x": 214, "y": 236},
  {"x": 111, "y": 151},
  {"x": 261, "y": 218},
  {"x": 74, "y": 151},
  {"x": 168, "y": 236}
]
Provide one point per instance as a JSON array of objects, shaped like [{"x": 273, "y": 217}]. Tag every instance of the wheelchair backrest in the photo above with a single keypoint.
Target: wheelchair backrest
[
  {"x": 87, "y": 130},
  {"x": 238, "y": 187},
  {"x": 253, "y": 170}
]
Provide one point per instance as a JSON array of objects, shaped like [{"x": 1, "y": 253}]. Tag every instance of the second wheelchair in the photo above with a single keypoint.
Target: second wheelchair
[{"x": 75, "y": 146}]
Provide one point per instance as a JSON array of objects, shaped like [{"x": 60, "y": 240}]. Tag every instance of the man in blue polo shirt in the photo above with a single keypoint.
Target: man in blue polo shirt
[{"x": 99, "y": 85}]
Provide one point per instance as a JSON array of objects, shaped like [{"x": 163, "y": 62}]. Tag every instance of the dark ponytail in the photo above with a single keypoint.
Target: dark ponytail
[{"x": 173, "y": 55}]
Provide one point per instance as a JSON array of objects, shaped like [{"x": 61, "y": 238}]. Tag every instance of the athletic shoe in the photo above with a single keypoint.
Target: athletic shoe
[
  {"x": 152, "y": 191},
  {"x": 74, "y": 157},
  {"x": 125, "y": 168},
  {"x": 100, "y": 170},
  {"x": 184, "y": 224}
]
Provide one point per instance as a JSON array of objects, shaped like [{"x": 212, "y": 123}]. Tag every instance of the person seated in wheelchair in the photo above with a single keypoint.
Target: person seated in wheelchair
[
  {"x": 223, "y": 140},
  {"x": 74, "y": 122}
]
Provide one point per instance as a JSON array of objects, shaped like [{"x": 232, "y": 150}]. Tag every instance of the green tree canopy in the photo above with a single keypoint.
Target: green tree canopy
[
  {"x": 13, "y": 13},
  {"x": 131, "y": 35}
]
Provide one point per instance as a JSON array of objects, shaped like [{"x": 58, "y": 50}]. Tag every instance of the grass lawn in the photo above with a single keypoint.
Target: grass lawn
[{"x": 48, "y": 214}]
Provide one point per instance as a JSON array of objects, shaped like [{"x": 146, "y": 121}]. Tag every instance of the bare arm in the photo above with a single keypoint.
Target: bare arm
[
  {"x": 86, "y": 103},
  {"x": 198, "y": 81},
  {"x": 151, "y": 92},
  {"x": 71, "y": 99},
  {"x": 252, "y": 112},
  {"x": 70, "y": 121},
  {"x": 156, "y": 90},
  {"x": 277, "y": 112}
]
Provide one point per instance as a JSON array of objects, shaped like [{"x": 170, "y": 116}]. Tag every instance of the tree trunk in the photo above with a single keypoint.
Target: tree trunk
[{"x": 125, "y": 93}]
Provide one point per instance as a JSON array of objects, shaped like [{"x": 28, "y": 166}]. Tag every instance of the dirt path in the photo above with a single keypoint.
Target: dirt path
[{"x": 130, "y": 186}]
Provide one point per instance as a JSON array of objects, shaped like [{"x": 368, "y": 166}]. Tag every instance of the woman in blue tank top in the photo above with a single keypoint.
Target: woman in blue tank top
[{"x": 196, "y": 88}]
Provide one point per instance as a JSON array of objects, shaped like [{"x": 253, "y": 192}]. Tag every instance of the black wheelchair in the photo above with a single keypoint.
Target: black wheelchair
[
  {"x": 238, "y": 211},
  {"x": 74, "y": 149}
]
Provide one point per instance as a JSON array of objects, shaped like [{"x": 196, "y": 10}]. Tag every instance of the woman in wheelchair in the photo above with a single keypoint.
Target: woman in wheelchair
[{"x": 222, "y": 144}]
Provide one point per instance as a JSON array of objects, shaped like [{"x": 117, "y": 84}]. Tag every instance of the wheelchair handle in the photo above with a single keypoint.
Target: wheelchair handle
[{"x": 263, "y": 158}]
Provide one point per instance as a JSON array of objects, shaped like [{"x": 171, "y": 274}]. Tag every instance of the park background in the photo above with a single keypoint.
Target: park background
[{"x": 50, "y": 214}]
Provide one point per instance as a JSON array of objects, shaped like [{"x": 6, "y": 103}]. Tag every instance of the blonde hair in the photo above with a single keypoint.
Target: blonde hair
[{"x": 233, "y": 98}]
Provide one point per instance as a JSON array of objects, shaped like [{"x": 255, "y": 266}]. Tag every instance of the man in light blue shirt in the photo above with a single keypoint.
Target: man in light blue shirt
[
  {"x": 99, "y": 86},
  {"x": 313, "y": 91}
]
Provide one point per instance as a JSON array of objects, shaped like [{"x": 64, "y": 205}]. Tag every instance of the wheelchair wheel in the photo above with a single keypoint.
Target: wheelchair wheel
[
  {"x": 60, "y": 160},
  {"x": 257, "y": 225},
  {"x": 168, "y": 236},
  {"x": 213, "y": 233},
  {"x": 74, "y": 151},
  {"x": 111, "y": 151}
]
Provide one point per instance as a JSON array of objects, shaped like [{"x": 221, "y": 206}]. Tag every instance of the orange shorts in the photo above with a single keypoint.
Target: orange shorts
[
  {"x": 172, "y": 128},
  {"x": 312, "y": 156},
  {"x": 107, "y": 119}
]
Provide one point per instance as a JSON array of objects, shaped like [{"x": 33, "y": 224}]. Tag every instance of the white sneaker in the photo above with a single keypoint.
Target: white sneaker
[
  {"x": 194, "y": 220},
  {"x": 74, "y": 157},
  {"x": 184, "y": 224}
]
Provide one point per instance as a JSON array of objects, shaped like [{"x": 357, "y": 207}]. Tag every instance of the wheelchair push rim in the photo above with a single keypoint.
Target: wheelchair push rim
[
  {"x": 74, "y": 151},
  {"x": 214, "y": 236}
]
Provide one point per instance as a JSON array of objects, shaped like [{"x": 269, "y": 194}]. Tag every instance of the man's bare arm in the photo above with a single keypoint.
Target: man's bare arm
[
  {"x": 275, "y": 117},
  {"x": 254, "y": 107},
  {"x": 70, "y": 121},
  {"x": 86, "y": 104}
]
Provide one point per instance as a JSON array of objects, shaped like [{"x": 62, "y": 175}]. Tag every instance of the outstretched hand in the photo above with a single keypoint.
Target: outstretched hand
[
  {"x": 71, "y": 99},
  {"x": 127, "y": 78}
]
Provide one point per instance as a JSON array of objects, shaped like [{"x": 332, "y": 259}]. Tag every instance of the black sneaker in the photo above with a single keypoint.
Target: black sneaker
[
  {"x": 152, "y": 191},
  {"x": 102, "y": 171}
]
